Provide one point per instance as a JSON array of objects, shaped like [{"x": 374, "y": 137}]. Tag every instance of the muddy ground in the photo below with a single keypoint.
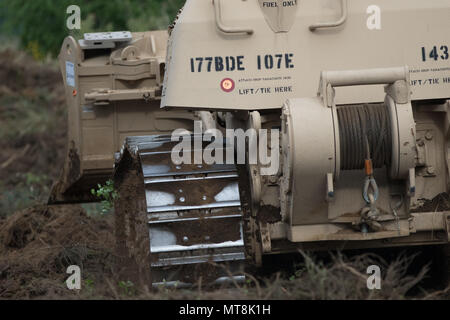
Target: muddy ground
[
  {"x": 38, "y": 242},
  {"x": 37, "y": 245}
]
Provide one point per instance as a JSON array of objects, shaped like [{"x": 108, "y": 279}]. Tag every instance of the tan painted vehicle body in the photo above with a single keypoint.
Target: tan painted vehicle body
[
  {"x": 301, "y": 29},
  {"x": 115, "y": 93},
  {"x": 299, "y": 66},
  {"x": 406, "y": 27}
]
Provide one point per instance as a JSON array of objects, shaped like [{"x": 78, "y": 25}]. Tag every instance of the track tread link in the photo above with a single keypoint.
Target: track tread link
[{"x": 180, "y": 221}]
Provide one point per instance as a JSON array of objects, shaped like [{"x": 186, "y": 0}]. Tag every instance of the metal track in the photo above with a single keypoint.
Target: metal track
[{"x": 194, "y": 215}]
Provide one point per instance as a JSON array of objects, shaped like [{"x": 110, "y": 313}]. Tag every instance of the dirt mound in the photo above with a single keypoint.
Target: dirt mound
[
  {"x": 20, "y": 73},
  {"x": 38, "y": 244},
  {"x": 33, "y": 129}
]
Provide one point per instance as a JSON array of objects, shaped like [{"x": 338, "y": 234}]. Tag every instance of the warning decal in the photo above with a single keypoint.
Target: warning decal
[{"x": 227, "y": 85}]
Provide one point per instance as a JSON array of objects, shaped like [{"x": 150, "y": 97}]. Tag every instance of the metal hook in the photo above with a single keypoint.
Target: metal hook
[{"x": 370, "y": 181}]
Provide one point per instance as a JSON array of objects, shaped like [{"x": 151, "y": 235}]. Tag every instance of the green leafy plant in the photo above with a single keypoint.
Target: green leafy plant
[
  {"x": 89, "y": 285},
  {"x": 127, "y": 288},
  {"x": 107, "y": 194},
  {"x": 30, "y": 189}
]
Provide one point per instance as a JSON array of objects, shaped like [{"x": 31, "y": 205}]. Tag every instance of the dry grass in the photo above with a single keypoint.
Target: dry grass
[
  {"x": 343, "y": 278},
  {"x": 32, "y": 129},
  {"x": 38, "y": 244}
]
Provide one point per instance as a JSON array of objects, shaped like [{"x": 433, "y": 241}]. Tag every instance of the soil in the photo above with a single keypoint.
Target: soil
[
  {"x": 131, "y": 225},
  {"x": 439, "y": 203},
  {"x": 269, "y": 214},
  {"x": 42, "y": 153},
  {"x": 38, "y": 244}
]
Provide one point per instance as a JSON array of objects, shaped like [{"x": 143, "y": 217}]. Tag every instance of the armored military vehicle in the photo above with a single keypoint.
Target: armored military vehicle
[{"x": 312, "y": 124}]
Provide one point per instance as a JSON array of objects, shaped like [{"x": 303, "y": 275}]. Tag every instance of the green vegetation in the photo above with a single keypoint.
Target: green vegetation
[
  {"x": 107, "y": 194},
  {"x": 127, "y": 288},
  {"x": 23, "y": 116},
  {"x": 41, "y": 24},
  {"x": 32, "y": 130},
  {"x": 30, "y": 189}
]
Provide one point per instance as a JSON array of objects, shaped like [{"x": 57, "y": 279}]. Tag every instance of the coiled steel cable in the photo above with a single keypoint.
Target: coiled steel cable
[{"x": 365, "y": 133}]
